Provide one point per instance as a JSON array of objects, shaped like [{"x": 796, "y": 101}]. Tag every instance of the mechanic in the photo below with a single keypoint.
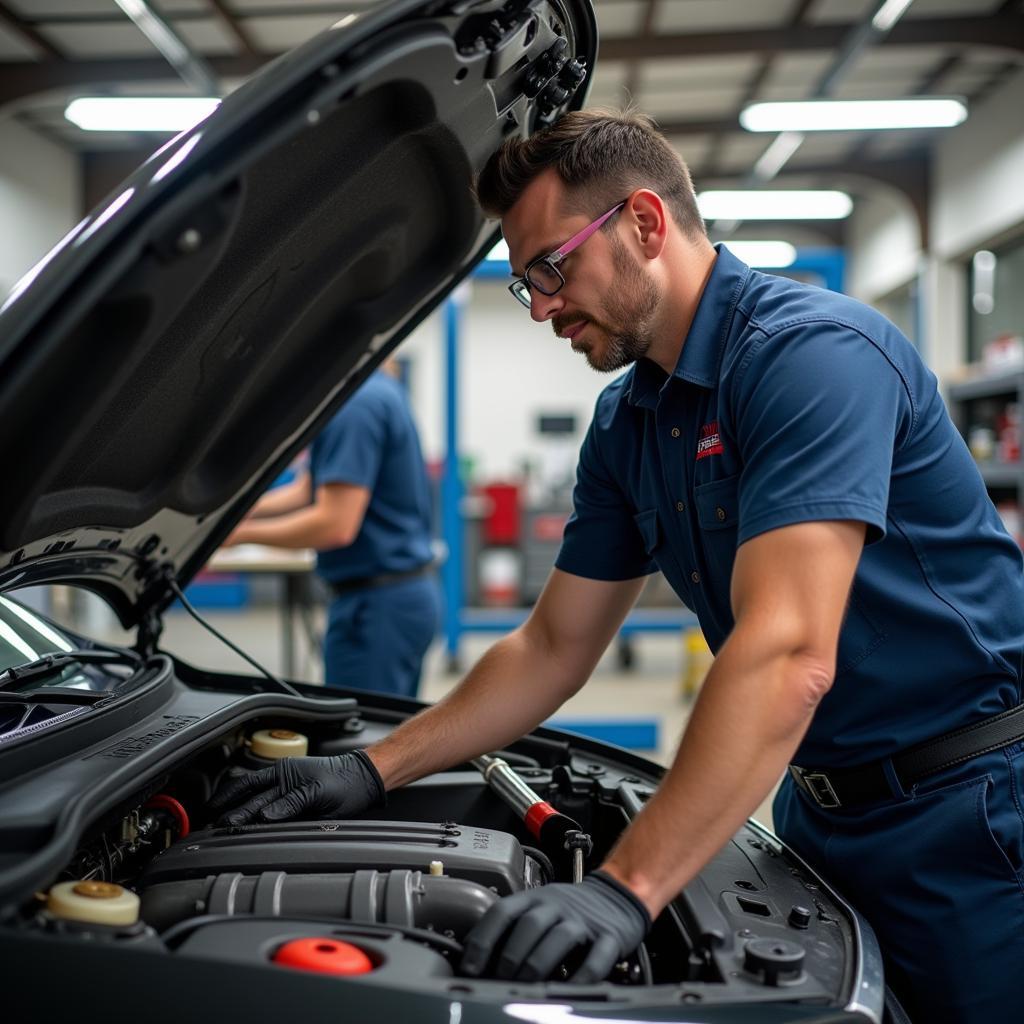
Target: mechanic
[
  {"x": 783, "y": 456},
  {"x": 364, "y": 504}
]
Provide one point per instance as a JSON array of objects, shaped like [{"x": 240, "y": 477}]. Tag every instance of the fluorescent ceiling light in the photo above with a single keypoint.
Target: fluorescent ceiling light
[
  {"x": 888, "y": 14},
  {"x": 774, "y": 205},
  {"x": 139, "y": 113},
  {"x": 853, "y": 115},
  {"x": 763, "y": 254}
]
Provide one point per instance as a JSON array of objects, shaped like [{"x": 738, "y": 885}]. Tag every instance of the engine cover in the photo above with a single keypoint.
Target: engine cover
[{"x": 490, "y": 858}]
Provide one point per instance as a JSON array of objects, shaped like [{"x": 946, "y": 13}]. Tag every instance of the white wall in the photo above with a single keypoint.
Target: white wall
[
  {"x": 40, "y": 190},
  {"x": 510, "y": 370},
  {"x": 884, "y": 245},
  {"x": 978, "y": 184},
  {"x": 514, "y": 370}
]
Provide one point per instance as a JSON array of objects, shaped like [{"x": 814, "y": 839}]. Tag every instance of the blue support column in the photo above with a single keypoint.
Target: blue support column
[
  {"x": 451, "y": 486},
  {"x": 829, "y": 264}
]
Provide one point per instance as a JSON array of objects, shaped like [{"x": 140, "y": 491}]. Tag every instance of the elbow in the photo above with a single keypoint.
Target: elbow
[
  {"x": 817, "y": 681},
  {"x": 799, "y": 681},
  {"x": 339, "y": 537},
  {"x": 813, "y": 676}
]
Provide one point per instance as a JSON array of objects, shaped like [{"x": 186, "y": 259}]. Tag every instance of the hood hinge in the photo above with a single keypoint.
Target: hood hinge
[
  {"x": 151, "y": 624},
  {"x": 150, "y": 628}
]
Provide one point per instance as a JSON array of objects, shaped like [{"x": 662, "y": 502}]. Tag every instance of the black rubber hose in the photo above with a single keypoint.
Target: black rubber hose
[{"x": 542, "y": 859}]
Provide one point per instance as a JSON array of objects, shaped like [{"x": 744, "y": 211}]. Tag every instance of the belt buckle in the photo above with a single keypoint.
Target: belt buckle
[{"x": 818, "y": 787}]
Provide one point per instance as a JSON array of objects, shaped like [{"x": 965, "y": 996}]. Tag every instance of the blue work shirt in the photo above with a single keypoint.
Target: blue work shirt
[
  {"x": 790, "y": 404},
  {"x": 372, "y": 442}
]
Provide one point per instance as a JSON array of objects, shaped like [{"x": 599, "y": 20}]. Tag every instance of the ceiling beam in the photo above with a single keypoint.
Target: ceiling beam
[
  {"x": 234, "y": 27},
  {"x": 21, "y": 79},
  {"x": 1001, "y": 31},
  {"x": 700, "y": 126},
  {"x": 168, "y": 41},
  {"x": 909, "y": 174},
  {"x": 632, "y": 82},
  {"x": 943, "y": 67},
  {"x": 24, "y": 30},
  {"x": 753, "y": 87},
  {"x": 289, "y": 9}
]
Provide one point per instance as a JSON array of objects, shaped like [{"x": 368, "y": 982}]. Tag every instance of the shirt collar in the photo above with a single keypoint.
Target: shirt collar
[{"x": 701, "y": 357}]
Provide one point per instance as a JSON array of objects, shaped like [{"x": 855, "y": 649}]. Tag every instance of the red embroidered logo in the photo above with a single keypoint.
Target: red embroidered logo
[{"x": 710, "y": 442}]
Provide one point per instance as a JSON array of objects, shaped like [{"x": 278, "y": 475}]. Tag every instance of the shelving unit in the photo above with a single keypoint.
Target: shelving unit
[{"x": 963, "y": 398}]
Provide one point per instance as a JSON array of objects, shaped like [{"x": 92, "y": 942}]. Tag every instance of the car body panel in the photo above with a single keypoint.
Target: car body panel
[{"x": 182, "y": 344}]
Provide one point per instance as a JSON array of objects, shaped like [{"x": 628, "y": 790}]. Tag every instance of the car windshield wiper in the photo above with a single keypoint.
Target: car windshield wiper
[
  {"x": 49, "y": 663},
  {"x": 55, "y": 695}
]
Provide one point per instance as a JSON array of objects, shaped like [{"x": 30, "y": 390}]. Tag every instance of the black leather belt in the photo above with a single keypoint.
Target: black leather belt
[
  {"x": 846, "y": 787},
  {"x": 370, "y": 582}
]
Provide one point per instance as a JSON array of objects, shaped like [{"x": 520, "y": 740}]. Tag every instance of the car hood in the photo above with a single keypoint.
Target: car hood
[{"x": 170, "y": 356}]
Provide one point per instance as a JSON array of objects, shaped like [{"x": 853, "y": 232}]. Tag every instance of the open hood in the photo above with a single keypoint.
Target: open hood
[{"x": 165, "y": 362}]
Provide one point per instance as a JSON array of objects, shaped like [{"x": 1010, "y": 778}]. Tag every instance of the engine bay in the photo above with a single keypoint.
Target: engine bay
[{"x": 387, "y": 898}]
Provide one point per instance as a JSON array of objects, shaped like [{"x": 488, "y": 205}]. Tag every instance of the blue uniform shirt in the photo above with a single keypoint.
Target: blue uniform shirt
[
  {"x": 372, "y": 442},
  {"x": 790, "y": 404}
]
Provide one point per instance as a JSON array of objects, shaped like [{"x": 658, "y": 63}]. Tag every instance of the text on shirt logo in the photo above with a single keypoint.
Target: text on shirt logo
[{"x": 710, "y": 442}]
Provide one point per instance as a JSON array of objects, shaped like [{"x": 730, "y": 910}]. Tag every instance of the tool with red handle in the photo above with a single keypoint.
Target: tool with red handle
[{"x": 558, "y": 834}]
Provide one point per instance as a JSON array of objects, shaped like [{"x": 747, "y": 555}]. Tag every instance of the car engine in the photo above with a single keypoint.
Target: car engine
[{"x": 389, "y": 898}]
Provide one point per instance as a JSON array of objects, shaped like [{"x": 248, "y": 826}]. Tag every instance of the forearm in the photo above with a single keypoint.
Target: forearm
[
  {"x": 308, "y": 527},
  {"x": 512, "y": 689},
  {"x": 288, "y": 498},
  {"x": 752, "y": 713}
]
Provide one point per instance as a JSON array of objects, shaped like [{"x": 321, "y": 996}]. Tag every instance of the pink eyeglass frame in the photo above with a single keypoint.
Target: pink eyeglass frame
[{"x": 521, "y": 286}]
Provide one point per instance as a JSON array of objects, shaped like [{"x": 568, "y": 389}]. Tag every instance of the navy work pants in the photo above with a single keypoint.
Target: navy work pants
[
  {"x": 376, "y": 638},
  {"x": 937, "y": 872}
]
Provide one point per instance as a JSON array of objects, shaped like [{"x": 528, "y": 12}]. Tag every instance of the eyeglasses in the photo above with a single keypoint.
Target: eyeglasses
[{"x": 543, "y": 273}]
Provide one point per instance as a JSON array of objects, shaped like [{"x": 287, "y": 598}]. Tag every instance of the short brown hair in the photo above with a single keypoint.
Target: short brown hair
[{"x": 601, "y": 157}]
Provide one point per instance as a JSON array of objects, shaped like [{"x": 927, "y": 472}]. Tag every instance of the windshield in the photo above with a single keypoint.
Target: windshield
[{"x": 25, "y": 637}]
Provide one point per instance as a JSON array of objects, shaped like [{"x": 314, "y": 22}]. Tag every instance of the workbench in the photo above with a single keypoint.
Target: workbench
[{"x": 295, "y": 570}]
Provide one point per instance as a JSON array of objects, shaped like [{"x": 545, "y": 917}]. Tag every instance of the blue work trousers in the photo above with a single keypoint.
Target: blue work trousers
[
  {"x": 937, "y": 872},
  {"x": 376, "y": 638}
]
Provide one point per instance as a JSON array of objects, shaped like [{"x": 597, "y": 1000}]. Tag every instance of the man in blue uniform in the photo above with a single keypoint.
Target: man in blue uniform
[
  {"x": 364, "y": 504},
  {"x": 783, "y": 456}
]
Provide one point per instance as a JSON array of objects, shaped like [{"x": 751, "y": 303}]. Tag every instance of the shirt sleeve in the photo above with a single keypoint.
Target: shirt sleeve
[
  {"x": 820, "y": 411},
  {"x": 351, "y": 448},
  {"x": 602, "y": 539}
]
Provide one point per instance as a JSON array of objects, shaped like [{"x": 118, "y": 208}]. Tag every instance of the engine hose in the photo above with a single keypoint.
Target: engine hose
[
  {"x": 542, "y": 859},
  {"x": 644, "y": 960}
]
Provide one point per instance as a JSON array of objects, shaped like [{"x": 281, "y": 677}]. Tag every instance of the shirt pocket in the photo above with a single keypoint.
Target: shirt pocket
[
  {"x": 860, "y": 635},
  {"x": 650, "y": 534},
  {"x": 717, "y": 504}
]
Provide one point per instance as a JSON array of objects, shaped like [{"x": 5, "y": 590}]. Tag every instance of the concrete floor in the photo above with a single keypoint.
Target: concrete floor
[{"x": 652, "y": 689}]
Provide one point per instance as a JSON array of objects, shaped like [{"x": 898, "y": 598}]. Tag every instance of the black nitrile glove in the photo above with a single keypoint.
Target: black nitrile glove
[
  {"x": 530, "y": 933},
  {"x": 301, "y": 787}
]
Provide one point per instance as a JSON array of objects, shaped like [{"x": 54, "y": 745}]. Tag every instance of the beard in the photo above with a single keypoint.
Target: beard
[{"x": 626, "y": 319}]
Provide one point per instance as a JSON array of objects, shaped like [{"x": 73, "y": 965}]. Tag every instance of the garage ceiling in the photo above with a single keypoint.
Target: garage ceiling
[{"x": 692, "y": 64}]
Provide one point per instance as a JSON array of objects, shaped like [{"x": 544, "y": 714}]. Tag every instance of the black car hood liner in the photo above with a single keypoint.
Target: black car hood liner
[{"x": 192, "y": 334}]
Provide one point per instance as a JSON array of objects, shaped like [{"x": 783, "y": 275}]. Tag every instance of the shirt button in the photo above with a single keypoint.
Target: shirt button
[
  {"x": 720, "y": 512},
  {"x": 680, "y": 507},
  {"x": 676, "y": 431},
  {"x": 695, "y": 576}
]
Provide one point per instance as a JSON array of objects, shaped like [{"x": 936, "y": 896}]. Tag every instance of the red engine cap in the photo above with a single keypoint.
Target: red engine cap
[{"x": 323, "y": 955}]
